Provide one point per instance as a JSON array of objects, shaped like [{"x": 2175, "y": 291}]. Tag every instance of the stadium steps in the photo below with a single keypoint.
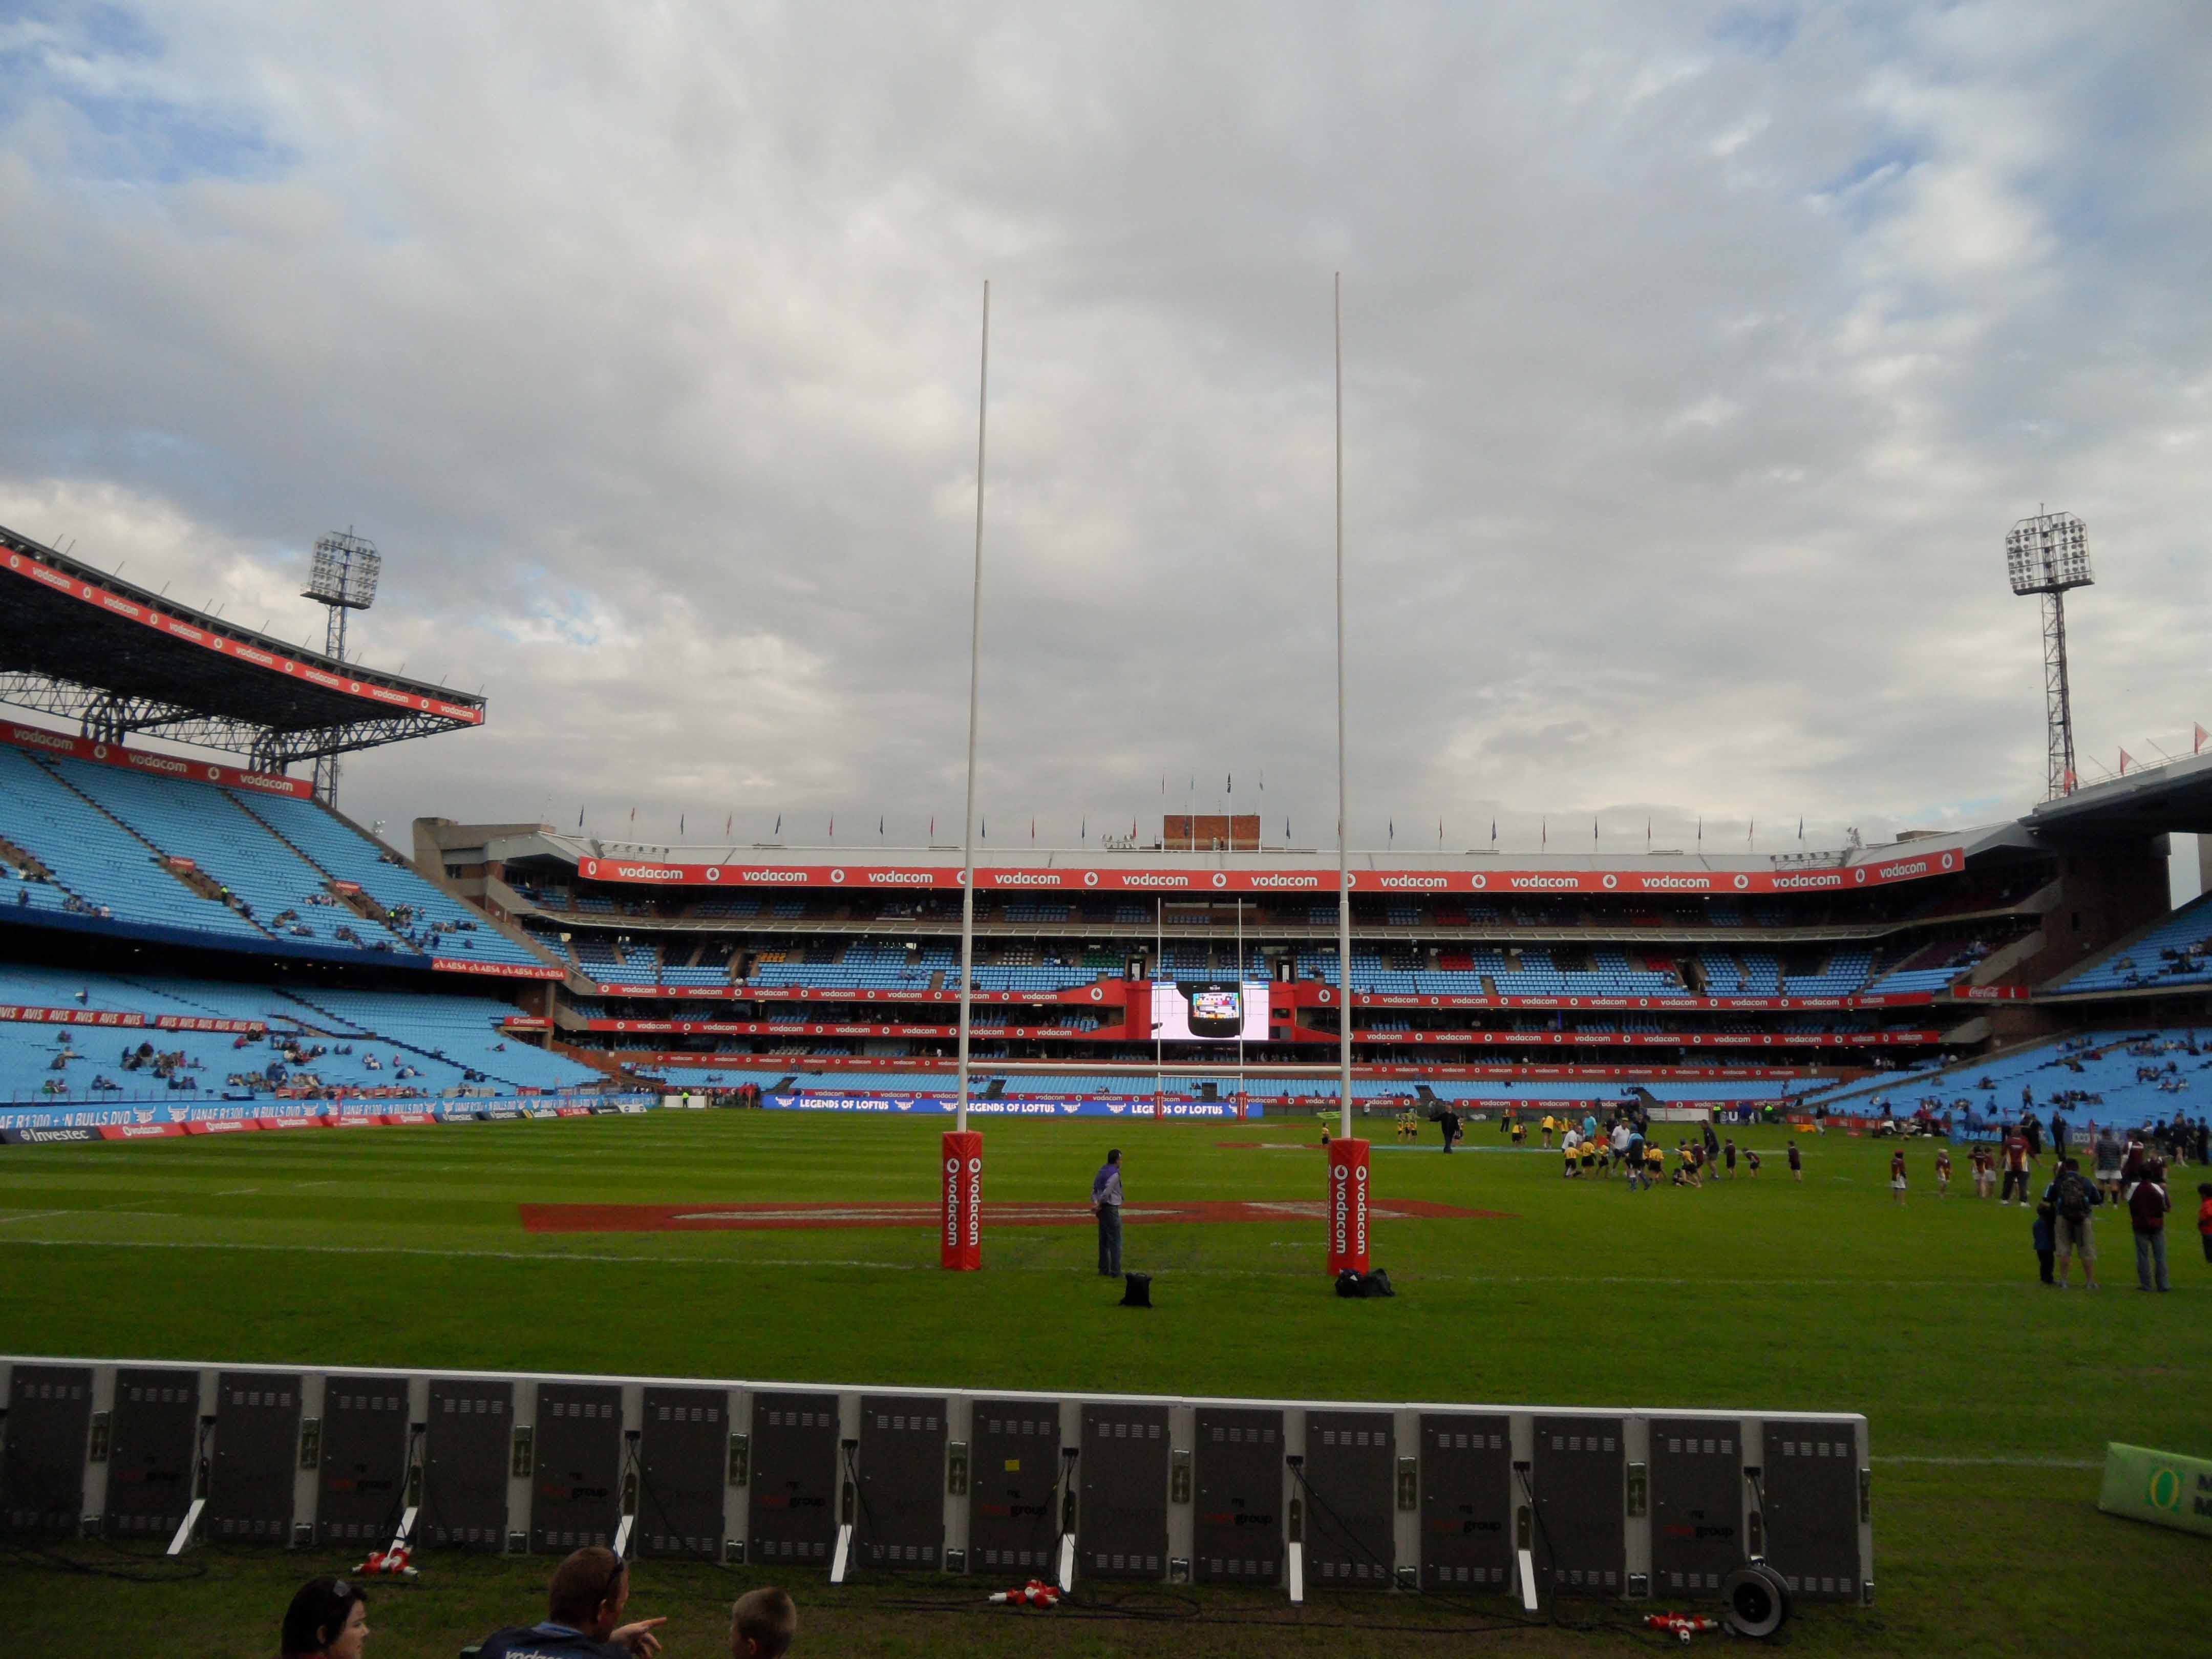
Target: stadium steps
[
  {"x": 1489, "y": 986},
  {"x": 23, "y": 860},
  {"x": 598, "y": 1060},
  {"x": 199, "y": 888}
]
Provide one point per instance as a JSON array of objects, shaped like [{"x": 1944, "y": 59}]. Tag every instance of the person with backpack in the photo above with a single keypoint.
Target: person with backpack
[{"x": 2072, "y": 1196}]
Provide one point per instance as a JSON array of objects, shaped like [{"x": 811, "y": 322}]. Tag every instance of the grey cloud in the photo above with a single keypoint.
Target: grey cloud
[{"x": 1695, "y": 372}]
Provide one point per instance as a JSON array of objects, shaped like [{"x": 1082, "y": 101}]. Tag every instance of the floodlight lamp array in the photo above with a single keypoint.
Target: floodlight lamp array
[
  {"x": 344, "y": 571},
  {"x": 2048, "y": 554}
]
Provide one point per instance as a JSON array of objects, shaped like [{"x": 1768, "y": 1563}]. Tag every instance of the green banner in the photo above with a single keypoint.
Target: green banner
[{"x": 2160, "y": 1486}]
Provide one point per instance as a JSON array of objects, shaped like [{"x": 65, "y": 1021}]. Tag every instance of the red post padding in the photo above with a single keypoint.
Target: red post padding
[
  {"x": 960, "y": 1238},
  {"x": 1347, "y": 1207}
]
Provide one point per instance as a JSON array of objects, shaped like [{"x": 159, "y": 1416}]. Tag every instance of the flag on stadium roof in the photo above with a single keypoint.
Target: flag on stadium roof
[
  {"x": 2201, "y": 735},
  {"x": 2125, "y": 758}
]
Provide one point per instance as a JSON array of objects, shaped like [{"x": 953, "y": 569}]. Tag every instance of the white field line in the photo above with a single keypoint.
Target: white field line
[
  {"x": 911, "y": 1266},
  {"x": 2002, "y": 1463},
  {"x": 33, "y": 1215}
]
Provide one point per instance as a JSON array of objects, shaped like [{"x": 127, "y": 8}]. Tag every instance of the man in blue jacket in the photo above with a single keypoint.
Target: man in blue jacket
[
  {"x": 585, "y": 1617},
  {"x": 1106, "y": 1199}
]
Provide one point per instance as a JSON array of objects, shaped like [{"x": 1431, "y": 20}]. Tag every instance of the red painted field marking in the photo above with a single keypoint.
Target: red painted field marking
[{"x": 762, "y": 1217}]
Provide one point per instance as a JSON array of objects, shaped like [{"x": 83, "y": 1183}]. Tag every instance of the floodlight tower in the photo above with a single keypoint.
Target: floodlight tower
[
  {"x": 342, "y": 578},
  {"x": 2047, "y": 555}
]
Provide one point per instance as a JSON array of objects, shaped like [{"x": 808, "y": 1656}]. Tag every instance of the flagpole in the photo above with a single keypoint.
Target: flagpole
[
  {"x": 1343, "y": 857},
  {"x": 975, "y": 658}
]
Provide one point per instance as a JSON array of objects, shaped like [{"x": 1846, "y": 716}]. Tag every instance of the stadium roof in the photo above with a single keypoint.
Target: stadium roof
[
  {"x": 1281, "y": 871},
  {"x": 81, "y": 644},
  {"x": 2173, "y": 799}
]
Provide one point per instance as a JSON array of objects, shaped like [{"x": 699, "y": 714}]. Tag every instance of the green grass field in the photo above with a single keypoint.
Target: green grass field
[{"x": 1990, "y": 1398}]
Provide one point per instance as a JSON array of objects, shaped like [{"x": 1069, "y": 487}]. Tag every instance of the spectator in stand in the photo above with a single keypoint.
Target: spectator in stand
[
  {"x": 584, "y": 1616},
  {"x": 762, "y": 1625},
  {"x": 328, "y": 1619},
  {"x": 2148, "y": 1205},
  {"x": 2071, "y": 1196},
  {"x": 2017, "y": 1156}
]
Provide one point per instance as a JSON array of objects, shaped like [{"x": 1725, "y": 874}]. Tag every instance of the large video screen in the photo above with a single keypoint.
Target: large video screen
[{"x": 1210, "y": 1011}]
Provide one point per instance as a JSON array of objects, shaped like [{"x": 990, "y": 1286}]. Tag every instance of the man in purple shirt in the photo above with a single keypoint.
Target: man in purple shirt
[{"x": 1106, "y": 1199}]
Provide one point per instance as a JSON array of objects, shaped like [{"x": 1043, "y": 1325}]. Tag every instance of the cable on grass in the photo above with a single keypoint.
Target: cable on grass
[{"x": 171, "y": 1572}]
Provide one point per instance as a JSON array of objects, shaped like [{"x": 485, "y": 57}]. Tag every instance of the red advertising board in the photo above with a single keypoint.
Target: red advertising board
[
  {"x": 1347, "y": 1207},
  {"x": 1670, "y": 883},
  {"x": 143, "y": 760},
  {"x": 960, "y": 1233},
  {"x": 496, "y": 970},
  {"x": 140, "y": 1131}
]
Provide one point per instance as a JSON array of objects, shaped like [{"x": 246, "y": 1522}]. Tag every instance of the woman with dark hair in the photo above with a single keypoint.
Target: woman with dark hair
[{"x": 327, "y": 1620}]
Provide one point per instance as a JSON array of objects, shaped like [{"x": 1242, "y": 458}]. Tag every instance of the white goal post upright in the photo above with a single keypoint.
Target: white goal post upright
[
  {"x": 1347, "y": 1157},
  {"x": 960, "y": 1241}
]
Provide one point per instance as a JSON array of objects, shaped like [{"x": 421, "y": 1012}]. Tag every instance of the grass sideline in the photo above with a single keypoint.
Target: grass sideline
[{"x": 1990, "y": 1399}]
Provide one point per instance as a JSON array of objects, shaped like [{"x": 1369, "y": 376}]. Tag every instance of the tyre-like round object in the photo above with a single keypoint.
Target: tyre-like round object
[{"x": 1758, "y": 1601}]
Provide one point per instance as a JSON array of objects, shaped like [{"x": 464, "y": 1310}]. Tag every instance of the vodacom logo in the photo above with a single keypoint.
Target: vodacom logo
[{"x": 836, "y": 877}]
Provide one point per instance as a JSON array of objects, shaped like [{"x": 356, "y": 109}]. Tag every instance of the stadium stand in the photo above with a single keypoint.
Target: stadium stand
[
  {"x": 100, "y": 868},
  {"x": 2176, "y": 952},
  {"x": 424, "y": 915},
  {"x": 389, "y": 1043}
]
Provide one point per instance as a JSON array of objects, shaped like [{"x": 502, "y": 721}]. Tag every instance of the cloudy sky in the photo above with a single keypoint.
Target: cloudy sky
[{"x": 1697, "y": 360}]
